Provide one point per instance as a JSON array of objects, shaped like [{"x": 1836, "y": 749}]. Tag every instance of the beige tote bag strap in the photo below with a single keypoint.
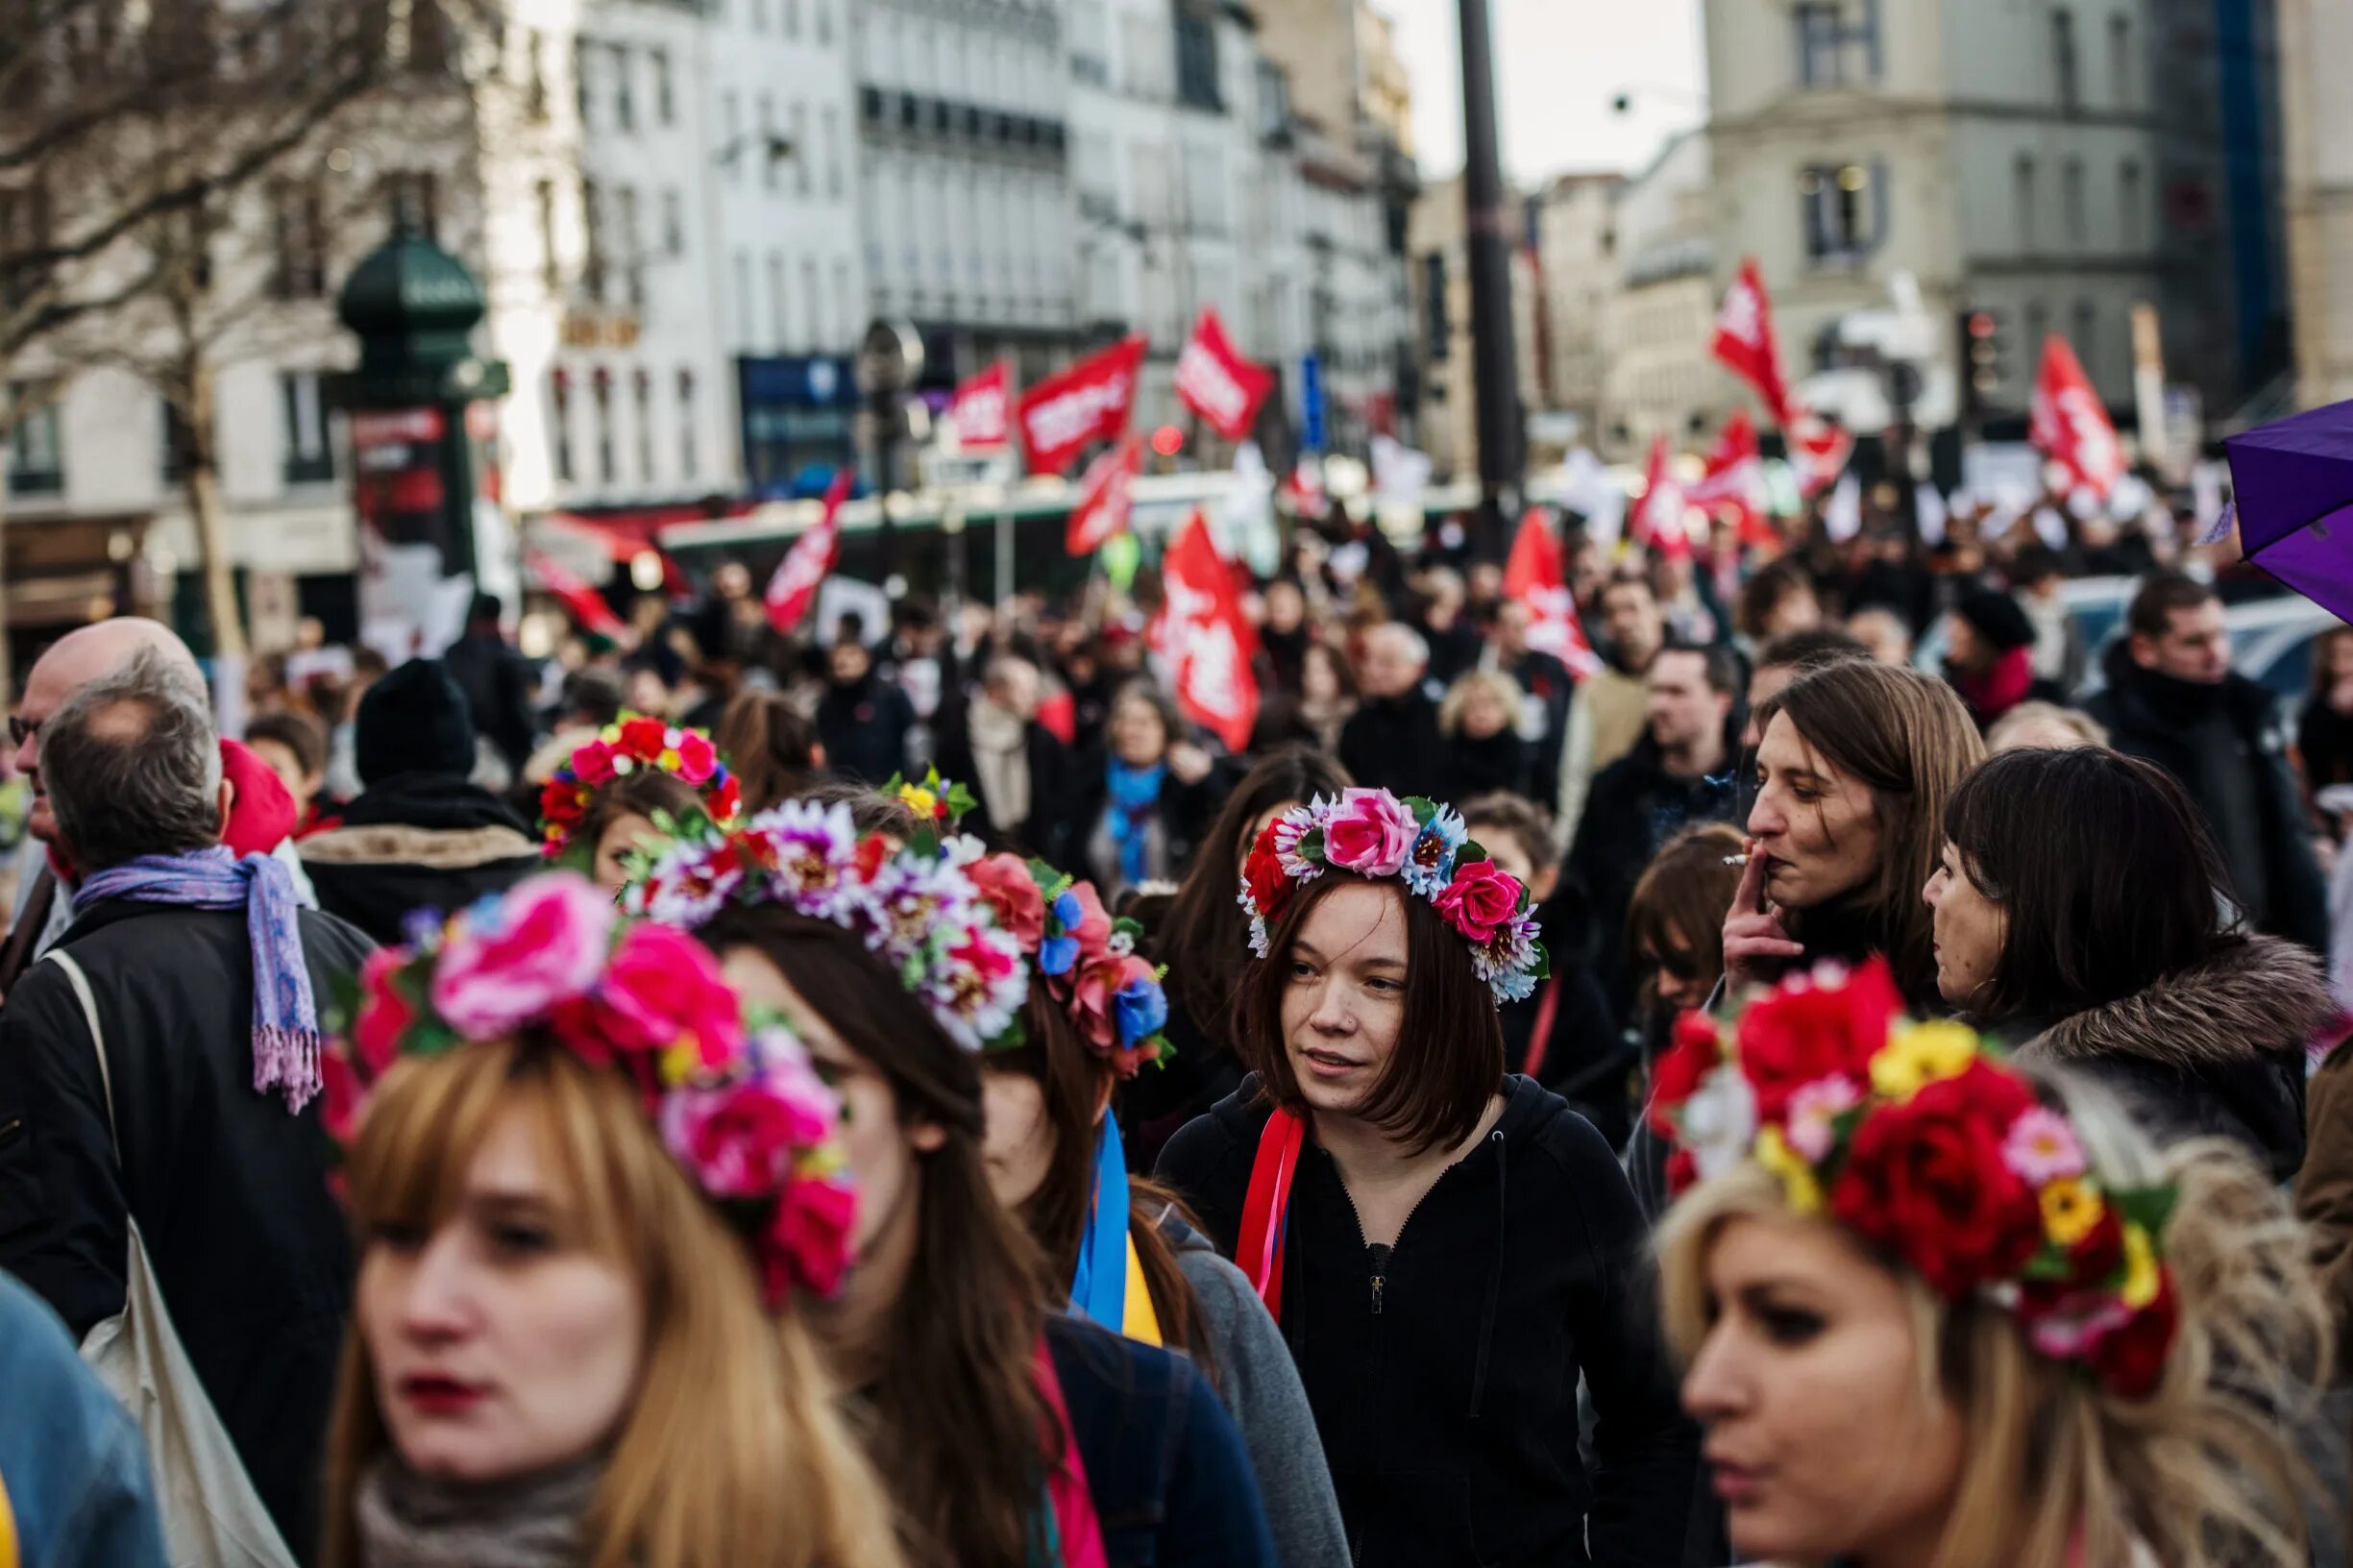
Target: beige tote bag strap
[{"x": 90, "y": 1014}]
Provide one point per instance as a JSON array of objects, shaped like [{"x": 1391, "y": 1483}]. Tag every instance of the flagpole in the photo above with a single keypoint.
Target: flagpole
[{"x": 1488, "y": 228}]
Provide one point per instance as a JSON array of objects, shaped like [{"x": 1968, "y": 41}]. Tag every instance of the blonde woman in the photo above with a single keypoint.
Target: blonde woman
[
  {"x": 1485, "y": 749},
  {"x": 1938, "y": 1314},
  {"x": 585, "y": 1193}
]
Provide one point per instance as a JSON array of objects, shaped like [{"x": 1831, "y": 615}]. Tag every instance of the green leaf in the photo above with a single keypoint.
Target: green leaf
[
  {"x": 2049, "y": 1264},
  {"x": 1423, "y": 809},
  {"x": 1471, "y": 853},
  {"x": 1129, "y": 927},
  {"x": 2151, "y": 1208},
  {"x": 1544, "y": 962}
]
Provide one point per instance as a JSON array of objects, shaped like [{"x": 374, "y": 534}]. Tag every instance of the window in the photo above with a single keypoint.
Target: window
[
  {"x": 791, "y": 19},
  {"x": 2037, "y": 328},
  {"x": 36, "y": 448},
  {"x": 2023, "y": 200},
  {"x": 823, "y": 9},
  {"x": 664, "y": 92},
  {"x": 559, "y": 422},
  {"x": 2063, "y": 62},
  {"x": 2123, "y": 82},
  {"x": 690, "y": 460},
  {"x": 832, "y": 119},
  {"x": 549, "y": 271},
  {"x": 2071, "y": 198},
  {"x": 592, "y": 227},
  {"x": 759, "y": 15},
  {"x": 625, "y": 100},
  {"x": 299, "y": 270},
  {"x": 1844, "y": 208},
  {"x": 581, "y": 48},
  {"x": 743, "y": 318},
  {"x": 632, "y": 253},
  {"x": 310, "y": 457},
  {"x": 413, "y": 196},
  {"x": 1437, "y": 338},
  {"x": 812, "y": 308},
  {"x": 1838, "y": 42},
  {"x": 601, "y": 392},
  {"x": 1196, "y": 60},
  {"x": 770, "y": 174},
  {"x": 802, "y": 151},
  {"x": 2086, "y": 338},
  {"x": 179, "y": 444},
  {"x": 534, "y": 73},
  {"x": 645, "y": 426},
  {"x": 673, "y": 223},
  {"x": 779, "y": 318},
  {"x": 846, "y": 304},
  {"x": 2132, "y": 204}
]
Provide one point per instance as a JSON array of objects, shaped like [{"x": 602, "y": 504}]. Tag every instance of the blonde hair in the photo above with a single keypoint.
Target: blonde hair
[
  {"x": 2057, "y": 1472},
  {"x": 1495, "y": 683},
  {"x": 2005, "y": 731},
  {"x": 732, "y": 1451}
]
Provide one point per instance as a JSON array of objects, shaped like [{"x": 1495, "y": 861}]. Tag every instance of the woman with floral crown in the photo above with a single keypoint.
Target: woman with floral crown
[
  {"x": 1447, "y": 1248},
  {"x": 590, "y": 1196},
  {"x": 1942, "y": 1312},
  {"x": 1093, "y": 1021},
  {"x": 1011, "y": 1435},
  {"x": 609, "y": 799}
]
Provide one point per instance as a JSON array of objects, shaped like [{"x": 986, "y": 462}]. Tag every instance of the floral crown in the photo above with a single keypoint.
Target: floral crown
[
  {"x": 733, "y": 1098},
  {"x": 915, "y": 907},
  {"x": 1919, "y": 1139},
  {"x": 1086, "y": 958},
  {"x": 634, "y": 744},
  {"x": 1374, "y": 834}
]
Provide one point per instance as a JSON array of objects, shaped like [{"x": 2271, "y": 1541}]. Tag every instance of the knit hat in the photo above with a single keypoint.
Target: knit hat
[
  {"x": 413, "y": 721},
  {"x": 1996, "y": 618}
]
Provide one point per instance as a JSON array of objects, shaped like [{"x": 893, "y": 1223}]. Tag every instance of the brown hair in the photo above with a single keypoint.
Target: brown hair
[
  {"x": 1449, "y": 1058},
  {"x": 1205, "y": 935},
  {"x": 1681, "y": 896},
  {"x": 732, "y": 1451},
  {"x": 1908, "y": 738},
  {"x": 957, "y": 1420},
  {"x": 640, "y": 793},
  {"x": 1504, "y": 812},
  {"x": 295, "y": 730},
  {"x": 2160, "y": 594},
  {"x": 771, "y": 746}
]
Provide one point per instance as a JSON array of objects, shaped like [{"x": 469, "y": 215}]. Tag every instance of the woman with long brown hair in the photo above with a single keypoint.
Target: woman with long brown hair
[
  {"x": 586, "y": 1192},
  {"x": 1009, "y": 1434},
  {"x": 1852, "y": 773},
  {"x": 1093, "y": 1019}
]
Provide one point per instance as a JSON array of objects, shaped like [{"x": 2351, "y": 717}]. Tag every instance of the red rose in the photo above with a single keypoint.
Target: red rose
[
  {"x": 1005, "y": 884},
  {"x": 2093, "y": 1260},
  {"x": 698, "y": 759},
  {"x": 1683, "y": 1172},
  {"x": 644, "y": 738},
  {"x": 385, "y": 1014},
  {"x": 662, "y": 988},
  {"x": 593, "y": 764},
  {"x": 1681, "y": 1067},
  {"x": 1270, "y": 890},
  {"x": 873, "y": 850},
  {"x": 1480, "y": 901},
  {"x": 2130, "y": 1360},
  {"x": 1790, "y": 1039},
  {"x": 340, "y": 1095},
  {"x": 559, "y": 802},
  {"x": 1927, "y": 1181},
  {"x": 808, "y": 1241},
  {"x": 725, "y": 800}
]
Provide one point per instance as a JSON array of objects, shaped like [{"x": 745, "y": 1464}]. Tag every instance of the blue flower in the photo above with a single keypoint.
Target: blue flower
[
  {"x": 1057, "y": 954},
  {"x": 1142, "y": 1010},
  {"x": 1066, "y": 912},
  {"x": 1431, "y": 863}
]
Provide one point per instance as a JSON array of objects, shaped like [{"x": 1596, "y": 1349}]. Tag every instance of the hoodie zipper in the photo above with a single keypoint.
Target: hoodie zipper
[{"x": 1379, "y": 1280}]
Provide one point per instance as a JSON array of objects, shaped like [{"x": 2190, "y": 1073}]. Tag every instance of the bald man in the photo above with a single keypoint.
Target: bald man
[{"x": 259, "y": 801}]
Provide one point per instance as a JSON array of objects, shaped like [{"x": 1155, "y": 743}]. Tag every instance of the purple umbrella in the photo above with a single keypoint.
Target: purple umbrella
[{"x": 2293, "y": 484}]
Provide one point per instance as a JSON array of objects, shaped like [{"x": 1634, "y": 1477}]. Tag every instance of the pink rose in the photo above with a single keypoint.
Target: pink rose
[
  {"x": 544, "y": 943},
  {"x": 1094, "y": 999},
  {"x": 738, "y": 1141},
  {"x": 593, "y": 764},
  {"x": 662, "y": 988},
  {"x": 808, "y": 1242},
  {"x": 1004, "y": 882},
  {"x": 385, "y": 1014},
  {"x": 1370, "y": 834},
  {"x": 340, "y": 1095},
  {"x": 697, "y": 758},
  {"x": 1480, "y": 901},
  {"x": 1093, "y": 932}
]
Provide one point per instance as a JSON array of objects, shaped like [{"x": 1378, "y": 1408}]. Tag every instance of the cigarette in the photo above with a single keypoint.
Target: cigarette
[{"x": 1735, "y": 860}]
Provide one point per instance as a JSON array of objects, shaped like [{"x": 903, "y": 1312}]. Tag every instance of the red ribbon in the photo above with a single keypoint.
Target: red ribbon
[{"x": 1266, "y": 1209}]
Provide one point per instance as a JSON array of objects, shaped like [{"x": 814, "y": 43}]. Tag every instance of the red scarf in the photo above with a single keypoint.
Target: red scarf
[
  {"x": 1999, "y": 687},
  {"x": 1266, "y": 1208}
]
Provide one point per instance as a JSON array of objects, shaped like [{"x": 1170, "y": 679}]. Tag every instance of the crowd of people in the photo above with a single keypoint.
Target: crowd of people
[{"x": 908, "y": 1095}]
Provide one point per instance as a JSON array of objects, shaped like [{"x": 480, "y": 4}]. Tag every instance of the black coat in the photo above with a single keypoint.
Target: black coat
[
  {"x": 1444, "y": 1381},
  {"x": 1185, "y": 811},
  {"x": 865, "y": 727},
  {"x": 1502, "y": 762},
  {"x": 498, "y": 682},
  {"x": 416, "y": 841},
  {"x": 230, "y": 1190},
  {"x": 1634, "y": 807},
  {"x": 1045, "y": 831},
  {"x": 2224, "y": 746},
  {"x": 1393, "y": 744}
]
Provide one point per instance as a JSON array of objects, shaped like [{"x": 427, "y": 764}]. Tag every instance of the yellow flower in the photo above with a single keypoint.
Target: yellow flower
[
  {"x": 1921, "y": 1054},
  {"x": 2070, "y": 1210},
  {"x": 2140, "y": 1276},
  {"x": 1798, "y": 1184},
  {"x": 923, "y": 802},
  {"x": 680, "y": 1062},
  {"x": 669, "y": 761}
]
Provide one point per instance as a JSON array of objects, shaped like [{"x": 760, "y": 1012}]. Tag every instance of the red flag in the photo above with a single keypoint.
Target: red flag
[
  {"x": 1537, "y": 578},
  {"x": 1735, "y": 481},
  {"x": 1106, "y": 496},
  {"x": 1818, "y": 450},
  {"x": 1746, "y": 344},
  {"x": 982, "y": 407},
  {"x": 583, "y": 603},
  {"x": 802, "y": 570},
  {"x": 1089, "y": 401},
  {"x": 2070, "y": 424},
  {"x": 1217, "y": 383},
  {"x": 1658, "y": 516},
  {"x": 1202, "y": 630}
]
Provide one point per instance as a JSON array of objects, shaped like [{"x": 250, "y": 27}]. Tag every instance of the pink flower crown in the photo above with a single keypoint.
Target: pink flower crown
[
  {"x": 1919, "y": 1139},
  {"x": 633, "y": 745},
  {"x": 917, "y": 908},
  {"x": 1087, "y": 960},
  {"x": 1372, "y": 833},
  {"x": 735, "y": 1100}
]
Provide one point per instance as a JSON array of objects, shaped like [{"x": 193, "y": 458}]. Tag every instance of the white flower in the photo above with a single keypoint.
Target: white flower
[{"x": 1719, "y": 1122}]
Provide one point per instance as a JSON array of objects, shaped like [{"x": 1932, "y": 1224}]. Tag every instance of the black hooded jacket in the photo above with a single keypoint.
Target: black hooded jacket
[
  {"x": 1444, "y": 1377},
  {"x": 416, "y": 841}
]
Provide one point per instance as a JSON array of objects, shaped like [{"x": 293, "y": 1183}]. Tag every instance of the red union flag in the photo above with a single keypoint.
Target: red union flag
[
  {"x": 1217, "y": 383},
  {"x": 583, "y": 603},
  {"x": 1202, "y": 632},
  {"x": 802, "y": 570},
  {"x": 1658, "y": 516},
  {"x": 1746, "y": 344},
  {"x": 1537, "y": 578},
  {"x": 1817, "y": 450},
  {"x": 1089, "y": 401},
  {"x": 983, "y": 409},
  {"x": 2070, "y": 424},
  {"x": 1106, "y": 497},
  {"x": 1736, "y": 479}
]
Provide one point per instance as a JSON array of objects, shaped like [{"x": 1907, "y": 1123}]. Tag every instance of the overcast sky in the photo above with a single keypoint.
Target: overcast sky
[{"x": 1563, "y": 62}]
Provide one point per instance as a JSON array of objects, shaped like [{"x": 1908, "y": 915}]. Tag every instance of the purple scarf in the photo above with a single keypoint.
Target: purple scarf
[{"x": 286, "y": 1018}]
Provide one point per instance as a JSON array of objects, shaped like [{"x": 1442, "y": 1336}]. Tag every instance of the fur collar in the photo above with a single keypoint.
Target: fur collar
[
  {"x": 2257, "y": 999},
  {"x": 432, "y": 849}
]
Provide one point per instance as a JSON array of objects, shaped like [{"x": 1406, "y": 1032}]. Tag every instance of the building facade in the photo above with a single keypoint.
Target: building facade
[
  {"x": 1573, "y": 227},
  {"x": 1440, "y": 250},
  {"x": 1658, "y": 377},
  {"x": 2317, "y": 122}
]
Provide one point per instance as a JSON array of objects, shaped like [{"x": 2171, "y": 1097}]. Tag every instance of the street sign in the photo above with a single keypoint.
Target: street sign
[{"x": 1313, "y": 435}]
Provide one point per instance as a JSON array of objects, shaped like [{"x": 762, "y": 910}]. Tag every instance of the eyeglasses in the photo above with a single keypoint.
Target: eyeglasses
[{"x": 21, "y": 730}]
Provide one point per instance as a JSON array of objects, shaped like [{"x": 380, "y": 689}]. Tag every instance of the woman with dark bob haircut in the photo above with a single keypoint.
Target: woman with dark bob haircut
[
  {"x": 1443, "y": 1375},
  {"x": 2081, "y": 911}
]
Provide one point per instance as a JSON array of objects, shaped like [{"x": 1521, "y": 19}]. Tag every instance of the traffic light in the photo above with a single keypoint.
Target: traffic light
[{"x": 1985, "y": 361}]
